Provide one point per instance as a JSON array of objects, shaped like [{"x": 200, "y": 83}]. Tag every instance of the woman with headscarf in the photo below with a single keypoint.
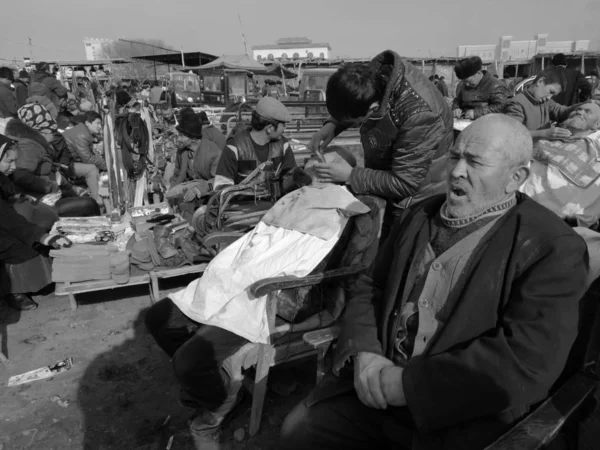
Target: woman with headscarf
[
  {"x": 23, "y": 267},
  {"x": 41, "y": 147}
]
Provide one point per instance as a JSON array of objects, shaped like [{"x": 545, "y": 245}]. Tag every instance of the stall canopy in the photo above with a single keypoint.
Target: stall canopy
[
  {"x": 243, "y": 63},
  {"x": 281, "y": 71},
  {"x": 233, "y": 62}
]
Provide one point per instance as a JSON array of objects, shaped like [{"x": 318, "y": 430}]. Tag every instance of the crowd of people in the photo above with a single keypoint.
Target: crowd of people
[{"x": 489, "y": 239}]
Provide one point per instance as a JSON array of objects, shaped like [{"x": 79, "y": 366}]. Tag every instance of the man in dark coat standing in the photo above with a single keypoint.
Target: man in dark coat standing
[
  {"x": 8, "y": 103},
  {"x": 578, "y": 89},
  {"x": 466, "y": 318},
  {"x": 21, "y": 85}
]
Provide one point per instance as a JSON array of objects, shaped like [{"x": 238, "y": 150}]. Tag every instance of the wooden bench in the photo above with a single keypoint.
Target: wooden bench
[{"x": 136, "y": 278}]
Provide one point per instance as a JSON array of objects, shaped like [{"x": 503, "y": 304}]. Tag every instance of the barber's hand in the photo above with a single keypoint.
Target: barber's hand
[
  {"x": 469, "y": 114},
  {"x": 338, "y": 172},
  {"x": 367, "y": 379},
  {"x": 392, "y": 386},
  {"x": 322, "y": 138},
  {"x": 457, "y": 113},
  {"x": 557, "y": 132},
  {"x": 55, "y": 241}
]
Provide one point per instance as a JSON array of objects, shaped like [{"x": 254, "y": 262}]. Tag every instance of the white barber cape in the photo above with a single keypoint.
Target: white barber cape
[{"x": 292, "y": 239}]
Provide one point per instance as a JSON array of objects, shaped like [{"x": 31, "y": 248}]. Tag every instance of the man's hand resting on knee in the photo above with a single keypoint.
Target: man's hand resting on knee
[
  {"x": 378, "y": 381},
  {"x": 367, "y": 379},
  {"x": 392, "y": 385}
]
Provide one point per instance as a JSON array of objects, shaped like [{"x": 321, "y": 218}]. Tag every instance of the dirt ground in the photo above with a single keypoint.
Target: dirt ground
[{"x": 121, "y": 388}]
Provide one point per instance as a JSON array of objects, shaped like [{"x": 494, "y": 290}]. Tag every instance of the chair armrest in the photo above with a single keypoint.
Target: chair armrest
[
  {"x": 263, "y": 287},
  {"x": 541, "y": 426},
  {"x": 324, "y": 336},
  {"x": 221, "y": 237}
]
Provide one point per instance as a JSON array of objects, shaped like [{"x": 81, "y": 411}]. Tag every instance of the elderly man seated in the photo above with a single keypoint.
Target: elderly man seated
[
  {"x": 565, "y": 177},
  {"x": 466, "y": 319},
  {"x": 201, "y": 326}
]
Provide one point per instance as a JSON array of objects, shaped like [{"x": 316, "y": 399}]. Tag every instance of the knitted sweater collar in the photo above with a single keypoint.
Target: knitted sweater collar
[{"x": 494, "y": 210}]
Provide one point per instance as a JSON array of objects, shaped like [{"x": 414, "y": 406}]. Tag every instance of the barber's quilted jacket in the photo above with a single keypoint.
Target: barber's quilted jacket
[{"x": 412, "y": 128}]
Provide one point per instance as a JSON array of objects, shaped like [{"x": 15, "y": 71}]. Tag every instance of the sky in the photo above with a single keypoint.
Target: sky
[{"x": 353, "y": 28}]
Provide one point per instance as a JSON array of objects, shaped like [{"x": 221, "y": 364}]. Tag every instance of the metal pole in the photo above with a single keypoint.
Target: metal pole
[
  {"x": 182, "y": 59},
  {"x": 154, "y": 60}
]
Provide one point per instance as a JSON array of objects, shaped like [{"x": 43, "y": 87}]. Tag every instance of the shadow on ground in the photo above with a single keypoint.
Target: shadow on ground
[{"x": 129, "y": 400}]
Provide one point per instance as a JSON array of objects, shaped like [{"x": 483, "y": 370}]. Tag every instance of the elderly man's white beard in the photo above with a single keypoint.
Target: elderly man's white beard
[{"x": 577, "y": 123}]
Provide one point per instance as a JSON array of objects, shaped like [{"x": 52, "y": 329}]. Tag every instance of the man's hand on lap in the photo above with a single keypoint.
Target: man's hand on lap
[
  {"x": 392, "y": 386},
  {"x": 367, "y": 379}
]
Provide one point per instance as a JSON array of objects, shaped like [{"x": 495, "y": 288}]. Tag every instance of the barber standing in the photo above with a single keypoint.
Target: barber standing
[{"x": 405, "y": 128}]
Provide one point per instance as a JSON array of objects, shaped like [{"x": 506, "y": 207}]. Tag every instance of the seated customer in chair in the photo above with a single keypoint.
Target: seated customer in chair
[
  {"x": 464, "y": 322},
  {"x": 565, "y": 177},
  {"x": 204, "y": 324}
]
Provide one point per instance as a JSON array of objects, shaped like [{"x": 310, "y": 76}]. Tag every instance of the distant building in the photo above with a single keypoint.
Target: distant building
[
  {"x": 519, "y": 58},
  {"x": 291, "y": 48},
  {"x": 93, "y": 48},
  {"x": 508, "y": 50}
]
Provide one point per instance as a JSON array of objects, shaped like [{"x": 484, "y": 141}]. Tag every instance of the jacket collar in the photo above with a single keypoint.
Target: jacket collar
[
  {"x": 531, "y": 98},
  {"x": 389, "y": 64}
]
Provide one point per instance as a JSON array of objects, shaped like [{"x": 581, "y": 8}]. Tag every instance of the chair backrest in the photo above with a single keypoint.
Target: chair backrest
[{"x": 357, "y": 245}]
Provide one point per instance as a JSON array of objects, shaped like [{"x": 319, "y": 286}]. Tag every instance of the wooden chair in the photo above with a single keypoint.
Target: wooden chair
[
  {"x": 290, "y": 346},
  {"x": 572, "y": 398},
  {"x": 286, "y": 341}
]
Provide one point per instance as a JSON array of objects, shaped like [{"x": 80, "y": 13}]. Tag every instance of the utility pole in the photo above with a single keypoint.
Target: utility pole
[
  {"x": 243, "y": 36},
  {"x": 30, "y": 49}
]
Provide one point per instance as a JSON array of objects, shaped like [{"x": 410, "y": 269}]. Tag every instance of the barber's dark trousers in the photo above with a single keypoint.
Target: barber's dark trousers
[{"x": 197, "y": 352}]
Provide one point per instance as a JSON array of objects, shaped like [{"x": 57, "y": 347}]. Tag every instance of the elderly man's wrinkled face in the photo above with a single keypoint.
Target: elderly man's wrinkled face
[
  {"x": 585, "y": 117},
  {"x": 478, "y": 174}
]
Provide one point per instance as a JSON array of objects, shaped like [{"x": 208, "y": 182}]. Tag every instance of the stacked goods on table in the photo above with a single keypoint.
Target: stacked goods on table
[
  {"x": 88, "y": 230},
  {"x": 88, "y": 262},
  {"x": 119, "y": 267},
  {"x": 84, "y": 230},
  {"x": 165, "y": 240}
]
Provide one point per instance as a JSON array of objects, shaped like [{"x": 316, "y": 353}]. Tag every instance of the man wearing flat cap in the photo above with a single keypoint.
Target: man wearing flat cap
[
  {"x": 478, "y": 92},
  {"x": 264, "y": 142}
]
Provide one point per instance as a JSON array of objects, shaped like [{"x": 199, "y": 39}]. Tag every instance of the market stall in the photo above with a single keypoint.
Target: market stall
[{"x": 147, "y": 244}]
